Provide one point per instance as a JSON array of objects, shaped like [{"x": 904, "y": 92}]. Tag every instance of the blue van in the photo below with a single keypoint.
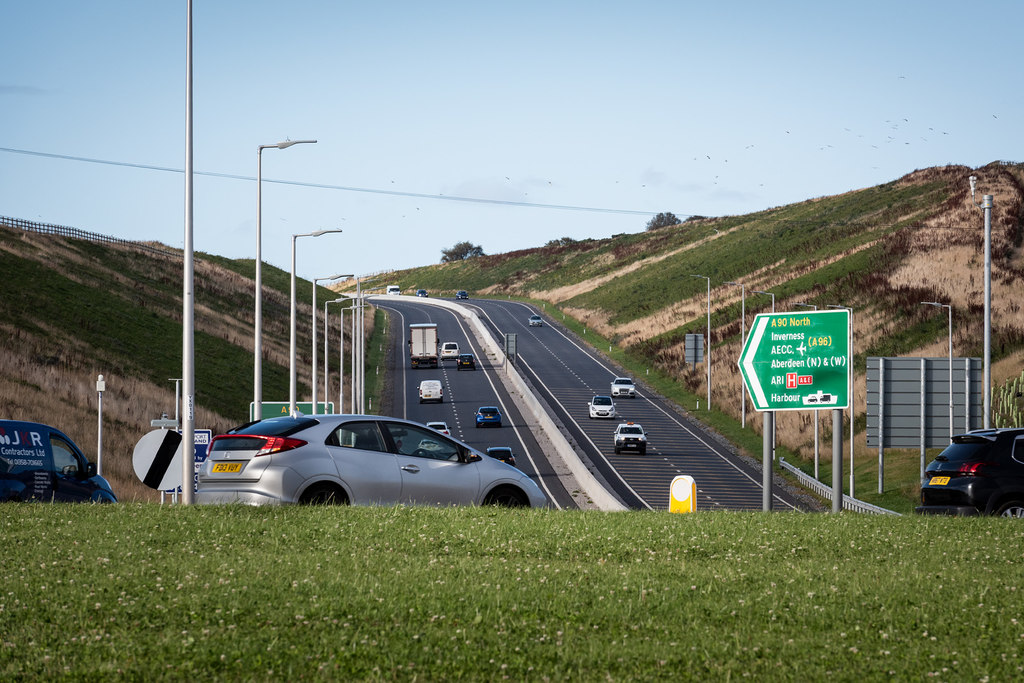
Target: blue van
[{"x": 40, "y": 463}]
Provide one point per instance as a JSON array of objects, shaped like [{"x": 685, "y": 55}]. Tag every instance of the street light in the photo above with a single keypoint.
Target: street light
[
  {"x": 757, "y": 291},
  {"x": 742, "y": 340},
  {"x": 850, "y": 391},
  {"x": 341, "y": 355},
  {"x": 257, "y": 395},
  {"x": 316, "y": 280},
  {"x": 986, "y": 207},
  {"x": 743, "y": 335},
  {"x": 816, "y": 418},
  {"x": 291, "y": 346},
  {"x": 949, "y": 309},
  {"x": 708, "y": 359},
  {"x": 356, "y": 350}
]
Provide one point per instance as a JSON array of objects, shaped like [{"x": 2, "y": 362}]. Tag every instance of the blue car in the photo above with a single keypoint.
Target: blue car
[
  {"x": 40, "y": 463},
  {"x": 487, "y": 416}
]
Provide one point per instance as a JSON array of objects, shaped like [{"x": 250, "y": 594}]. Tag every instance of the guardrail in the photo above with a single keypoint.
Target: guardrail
[
  {"x": 826, "y": 492},
  {"x": 75, "y": 233}
]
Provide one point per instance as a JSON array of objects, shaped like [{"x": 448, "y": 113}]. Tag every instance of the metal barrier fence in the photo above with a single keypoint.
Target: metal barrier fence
[
  {"x": 75, "y": 233},
  {"x": 826, "y": 492}
]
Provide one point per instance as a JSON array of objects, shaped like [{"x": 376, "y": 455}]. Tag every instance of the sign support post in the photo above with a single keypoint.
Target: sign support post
[
  {"x": 800, "y": 361},
  {"x": 837, "y": 461},
  {"x": 767, "y": 429}
]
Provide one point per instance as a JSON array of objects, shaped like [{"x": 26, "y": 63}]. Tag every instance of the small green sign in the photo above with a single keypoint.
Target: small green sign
[
  {"x": 280, "y": 408},
  {"x": 798, "y": 361}
]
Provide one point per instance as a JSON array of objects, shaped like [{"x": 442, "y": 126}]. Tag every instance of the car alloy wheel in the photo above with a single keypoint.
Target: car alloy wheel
[{"x": 1012, "y": 509}]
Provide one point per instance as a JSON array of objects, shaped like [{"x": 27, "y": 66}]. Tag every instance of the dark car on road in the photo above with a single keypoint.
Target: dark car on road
[
  {"x": 488, "y": 415},
  {"x": 466, "y": 361},
  {"x": 40, "y": 463},
  {"x": 461, "y": 294},
  {"x": 502, "y": 453},
  {"x": 980, "y": 473}
]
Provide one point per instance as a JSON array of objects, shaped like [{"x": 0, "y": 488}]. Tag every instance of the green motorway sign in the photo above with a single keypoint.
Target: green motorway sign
[
  {"x": 798, "y": 361},
  {"x": 280, "y": 408}
]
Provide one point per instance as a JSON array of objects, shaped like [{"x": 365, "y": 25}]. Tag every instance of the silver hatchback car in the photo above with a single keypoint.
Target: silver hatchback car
[{"x": 355, "y": 460}]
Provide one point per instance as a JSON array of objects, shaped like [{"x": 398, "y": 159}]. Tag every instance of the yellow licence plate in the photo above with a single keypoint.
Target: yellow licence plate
[
  {"x": 939, "y": 481},
  {"x": 227, "y": 467}
]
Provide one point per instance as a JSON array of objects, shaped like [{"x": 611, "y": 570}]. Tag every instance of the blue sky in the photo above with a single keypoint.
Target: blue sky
[{"x": 621, "y": 109}]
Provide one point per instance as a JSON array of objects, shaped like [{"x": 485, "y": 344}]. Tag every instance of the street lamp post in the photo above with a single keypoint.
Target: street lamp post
[
  {"x": 291, "y": 355},
  {"x": 817, "y": 457},
  {"x": 757, "y": 291},
  {"x": 354, "y": 351},
  {"x": 850, "y": 390},
  {"x": 257, "y": 395},
  {"x": 743, "y": 339},
  {"x": 708, "y": 341},
  {"x": 341, "y": 366},
  {"x": 949, "y": 309},
  {"x": 986, "y": 207},
  {"x": 316, "y": 280}
]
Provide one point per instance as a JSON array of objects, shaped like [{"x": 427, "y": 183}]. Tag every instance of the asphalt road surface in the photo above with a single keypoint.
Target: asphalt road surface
[
  {"x": 566, "y": 374},
  {"x": 464, "y": 392}
]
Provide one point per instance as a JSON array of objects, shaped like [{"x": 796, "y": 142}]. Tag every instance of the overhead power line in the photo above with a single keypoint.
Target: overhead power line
[{"x": 324, "y": 186}]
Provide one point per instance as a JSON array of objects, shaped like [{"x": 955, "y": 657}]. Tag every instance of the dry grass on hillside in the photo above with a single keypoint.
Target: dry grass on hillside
[
  {"x": 51, "y": 377},
  {"x": 943, "y": 257}
]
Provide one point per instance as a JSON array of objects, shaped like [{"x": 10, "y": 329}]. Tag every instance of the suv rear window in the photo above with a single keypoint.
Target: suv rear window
[{"x": 964, "y": 452}]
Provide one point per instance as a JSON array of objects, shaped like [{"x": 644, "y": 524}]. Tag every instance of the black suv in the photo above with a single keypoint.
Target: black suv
[{"x": 980, "y": 473}]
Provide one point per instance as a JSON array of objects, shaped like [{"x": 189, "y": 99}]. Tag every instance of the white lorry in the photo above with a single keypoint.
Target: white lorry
[{"x": 423, "y": 345}]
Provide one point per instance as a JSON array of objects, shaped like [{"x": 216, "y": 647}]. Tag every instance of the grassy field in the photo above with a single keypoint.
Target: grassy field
[{"x": 140, "y": 591}]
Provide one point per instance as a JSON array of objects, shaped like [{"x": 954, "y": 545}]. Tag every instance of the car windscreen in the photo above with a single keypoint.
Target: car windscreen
[{"x": 631, "y": 430}]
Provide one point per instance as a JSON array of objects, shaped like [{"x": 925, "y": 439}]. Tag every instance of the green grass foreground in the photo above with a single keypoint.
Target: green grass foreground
[{"x": 144, "y": 592}]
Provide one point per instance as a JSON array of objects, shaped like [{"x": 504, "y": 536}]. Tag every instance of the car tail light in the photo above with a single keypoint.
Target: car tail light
[
  {"x": 974, "y": 469},
  {"x": 279, "y": 444}
]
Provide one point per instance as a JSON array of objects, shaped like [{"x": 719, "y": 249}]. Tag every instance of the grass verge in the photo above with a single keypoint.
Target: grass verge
[{"x": 133, "y": 592}]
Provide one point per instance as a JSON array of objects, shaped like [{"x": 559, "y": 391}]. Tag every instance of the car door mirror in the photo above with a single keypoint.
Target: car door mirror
[{"x": 470, "y": 456}]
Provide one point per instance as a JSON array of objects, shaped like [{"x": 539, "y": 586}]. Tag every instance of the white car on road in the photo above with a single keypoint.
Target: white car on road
[
  {"x": 630, "y": 436},
  {"x": 623, "y": 386},
  {"x": 601, "y": 406}
]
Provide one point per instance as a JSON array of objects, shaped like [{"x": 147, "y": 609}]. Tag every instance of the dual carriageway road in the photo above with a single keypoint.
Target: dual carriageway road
[{"x": 565, "y": 374}]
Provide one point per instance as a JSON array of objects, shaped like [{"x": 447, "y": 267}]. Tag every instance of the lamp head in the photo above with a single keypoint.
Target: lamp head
[
  {"x": 973, "y": 180},
  {"x": 288, "y": 143}
]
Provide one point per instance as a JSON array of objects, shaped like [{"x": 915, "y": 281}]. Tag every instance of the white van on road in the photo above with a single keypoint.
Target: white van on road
[
  {"x": 450, "y": 351},
  {"x": 430, "y": 390}
]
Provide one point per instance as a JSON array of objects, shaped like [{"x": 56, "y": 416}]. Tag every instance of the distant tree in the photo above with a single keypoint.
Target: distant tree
[
  {"x": 663, "y": 220},
  {"x": 562, "y": 242},
  {"x": 460, "y": 252}
]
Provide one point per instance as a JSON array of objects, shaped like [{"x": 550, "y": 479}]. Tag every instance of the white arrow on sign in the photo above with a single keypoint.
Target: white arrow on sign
[
  {"x": 157, "y": 459},
  {"x": 754, "y": 341}
]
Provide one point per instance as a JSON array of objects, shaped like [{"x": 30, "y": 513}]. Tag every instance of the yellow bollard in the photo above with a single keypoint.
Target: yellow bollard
[{"x": 683, "y": 494}]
